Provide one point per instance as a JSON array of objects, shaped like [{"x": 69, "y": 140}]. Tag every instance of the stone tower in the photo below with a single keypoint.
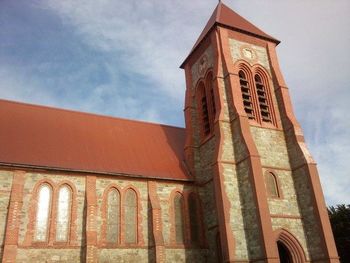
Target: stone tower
[{"x": 259, "y": 185}]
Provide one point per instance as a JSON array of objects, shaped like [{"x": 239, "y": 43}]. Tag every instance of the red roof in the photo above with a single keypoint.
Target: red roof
[
  {"x": 52, "y": 138},
  {"x": 225, "y": 16}
]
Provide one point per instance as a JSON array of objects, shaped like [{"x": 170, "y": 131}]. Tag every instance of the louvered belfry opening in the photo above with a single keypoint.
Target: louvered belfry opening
[
  {"x": 212, "y": 96},
  {"x": 204, "y": 110},
  {"x": 246, "y": 95},
  {"x": 262, "y": 99}
]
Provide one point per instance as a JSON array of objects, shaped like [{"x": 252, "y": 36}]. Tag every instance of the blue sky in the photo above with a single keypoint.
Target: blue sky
[{"x": 122, "y": 58}]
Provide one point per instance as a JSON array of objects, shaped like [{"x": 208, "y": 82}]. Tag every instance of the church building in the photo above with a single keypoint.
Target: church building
[{"x": 237, "y": 184}]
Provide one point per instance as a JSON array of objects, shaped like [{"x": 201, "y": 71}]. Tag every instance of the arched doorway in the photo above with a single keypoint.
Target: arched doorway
[
  {"x": 284, "y": 254},
  {"x": 289, "y": 249}
]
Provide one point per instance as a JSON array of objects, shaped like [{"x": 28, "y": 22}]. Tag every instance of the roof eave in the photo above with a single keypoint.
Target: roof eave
[{"x": 105, "y": 173}]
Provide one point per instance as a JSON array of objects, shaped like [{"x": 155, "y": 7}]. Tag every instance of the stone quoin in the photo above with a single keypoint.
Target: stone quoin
[{"x": 237, "y": 184}]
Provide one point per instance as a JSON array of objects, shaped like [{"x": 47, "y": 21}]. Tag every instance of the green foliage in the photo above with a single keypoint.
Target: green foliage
[{"x": 340, "y": 221}]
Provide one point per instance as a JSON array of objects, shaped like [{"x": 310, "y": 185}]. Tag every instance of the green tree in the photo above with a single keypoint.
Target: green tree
[{"x": 340, "y": 221}]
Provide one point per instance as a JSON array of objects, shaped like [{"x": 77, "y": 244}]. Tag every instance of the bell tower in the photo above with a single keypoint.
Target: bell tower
[{"x": 258, "y": 183}]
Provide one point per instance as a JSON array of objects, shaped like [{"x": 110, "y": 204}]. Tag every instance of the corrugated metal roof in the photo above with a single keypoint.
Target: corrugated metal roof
[
  {"x": 225, "y": 16},
  {"x": 55, "y": 138}
]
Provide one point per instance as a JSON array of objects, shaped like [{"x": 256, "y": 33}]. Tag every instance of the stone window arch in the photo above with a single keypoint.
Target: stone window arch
[
  {"x": 211, "y": 97},
  {"x": 43, "y": 213},
  {"x": 130, "y": 216},
  {"x": 263, "y": 99},
  {"x": 247, "y": 95},
  {"x": 203, "y": 109},
  {"x": 63, "y": 214},
  {"x": 113, "y": 216},
  {"x": 272, "y": 185},
  {"x": 179, "y": 218}
]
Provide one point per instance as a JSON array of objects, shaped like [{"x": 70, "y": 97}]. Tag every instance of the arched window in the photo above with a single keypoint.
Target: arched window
[
  {"x": 246, "y": 95},
  {"x": 262, "y": 99},
  {"x": 271, "y": 185},
  {"x": 203, "y": 107},
  {"x": 194, "y": 219},
  {"x": 113, "y": 216},
  {"x": 130, "y": 217},
  {"x": 212, "y": 97},
  {"x": 178, "y": 219},
  {"x": 63, "y": 213},
  {"x": 43, "y": 213}
]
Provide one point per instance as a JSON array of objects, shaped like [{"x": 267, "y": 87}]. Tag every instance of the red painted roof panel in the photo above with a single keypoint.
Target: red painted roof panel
[{"x": 48, "y": 137}]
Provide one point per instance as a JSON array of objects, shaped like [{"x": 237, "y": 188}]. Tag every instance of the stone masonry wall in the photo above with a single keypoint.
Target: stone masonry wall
[
  {"x": 5, "y": 190},
  {"x": 30, "y": 251},
  {"x": 274, "y": 154},
  {"x": 272, "y": 148}
]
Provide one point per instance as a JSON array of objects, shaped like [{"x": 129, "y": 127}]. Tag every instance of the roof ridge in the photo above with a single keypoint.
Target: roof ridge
[{"x": 88, "y": 113}]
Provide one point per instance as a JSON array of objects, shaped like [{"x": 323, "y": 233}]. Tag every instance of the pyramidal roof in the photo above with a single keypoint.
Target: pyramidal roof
[{"x": 225, "y": 16}]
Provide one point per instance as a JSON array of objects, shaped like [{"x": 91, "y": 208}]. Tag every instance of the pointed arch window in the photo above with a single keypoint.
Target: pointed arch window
[
  {"x": 246, "y": 95},
  {"x": 179, "y": 219},
  {"x": 271, "y": 185},
  {"x": 263, "y": 101},
  {"x": 63, "y": 213},
  {"x": 204, "y": 112},
  {"x": 113, "y": 216},
  {"x": 194, "y": 219},
  {"x": 209, "y": 83},
  {"x": 130, "y": 217},
  {"x": 43, "y": 213}
]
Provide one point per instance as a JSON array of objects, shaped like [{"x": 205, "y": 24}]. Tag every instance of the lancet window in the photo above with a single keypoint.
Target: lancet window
[
  {"x": 130, "y": 217},
  {"x": 187, "y": 224},
  {"x": 113, "y": 216},
  {"x": 53, "y": 211},
  {"x": 43, "y": 213},
  {"x": 271, "y": 185},
  {"x": 246, "y": 95},
  {"x": 178, "y": 218},
  {"x": 206, "y": 104},
  {"x": 256, "y": 96},
  {"x": 63, "y": 213},
  {"x": 203, "y": 104},
  {"x": 262, "y": 99},
  {"x": 120, "y": 213}
]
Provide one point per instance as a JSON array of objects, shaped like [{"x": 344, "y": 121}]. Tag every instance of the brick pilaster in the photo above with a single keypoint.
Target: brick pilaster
[
  {"x": 91, "y": 210},
  {"x": 13, "y": 218},
  {"x": 156, "y": 223}
]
